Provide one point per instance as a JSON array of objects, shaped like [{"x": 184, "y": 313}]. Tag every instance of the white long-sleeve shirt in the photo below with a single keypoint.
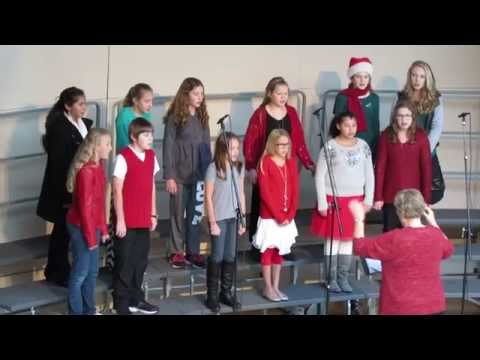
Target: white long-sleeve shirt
[{"x": 352, "y": 171}]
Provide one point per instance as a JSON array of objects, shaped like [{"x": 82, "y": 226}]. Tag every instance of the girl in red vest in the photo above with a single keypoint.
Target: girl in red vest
[
  {"x": 86, "y": 219},
  {"x": 276, "y": 229}
]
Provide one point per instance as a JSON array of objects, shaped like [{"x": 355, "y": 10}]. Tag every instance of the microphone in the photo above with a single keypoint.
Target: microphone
[
  {"x": 316, "y": 112},
  {"x": 222, "y": 119},
  {"x": 463, "y": 114}
]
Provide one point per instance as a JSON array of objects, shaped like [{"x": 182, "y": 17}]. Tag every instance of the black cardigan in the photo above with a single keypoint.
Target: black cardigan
[{"x": 62, "y": 140}]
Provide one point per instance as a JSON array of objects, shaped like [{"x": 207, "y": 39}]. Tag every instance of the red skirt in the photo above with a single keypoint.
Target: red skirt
[{"x": 322, "y": 226}]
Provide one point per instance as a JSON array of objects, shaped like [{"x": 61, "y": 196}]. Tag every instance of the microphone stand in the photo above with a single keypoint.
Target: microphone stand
[
  {"x": 334, "y": 205},
  {"x": 240, "y": 218},
  {"x": 466, "y": 232}
]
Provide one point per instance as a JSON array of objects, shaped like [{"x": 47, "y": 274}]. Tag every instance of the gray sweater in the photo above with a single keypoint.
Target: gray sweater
[
  {"x": 180, "y": 149},
  {"x": 352, "y": 171}
]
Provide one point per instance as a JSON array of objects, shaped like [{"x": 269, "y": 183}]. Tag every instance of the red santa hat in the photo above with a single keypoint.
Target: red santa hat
[{"x": 359, "y": 65}]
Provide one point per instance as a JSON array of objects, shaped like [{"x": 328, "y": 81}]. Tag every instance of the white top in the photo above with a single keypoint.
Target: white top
[
  {"x": 80, "y": 125},
  {"x": 352, "y": 172},
  {"x": 120, "y": 169}
]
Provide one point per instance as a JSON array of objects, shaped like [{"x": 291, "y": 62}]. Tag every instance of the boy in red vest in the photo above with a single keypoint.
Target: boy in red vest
[{"x": 134, "y": 201}]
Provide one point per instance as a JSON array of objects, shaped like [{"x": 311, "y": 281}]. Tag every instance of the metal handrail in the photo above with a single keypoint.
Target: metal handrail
[
  {"x": 98, "y": 116},
  {"x": 449, "y": 135},
  {"x": 39, "y": 109},
  {"x": 452, "y": 93},
  {"x": 159, "y": 100}
]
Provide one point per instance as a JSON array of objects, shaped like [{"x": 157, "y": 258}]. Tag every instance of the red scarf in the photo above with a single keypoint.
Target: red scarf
[{"x": 354, "y": 105}]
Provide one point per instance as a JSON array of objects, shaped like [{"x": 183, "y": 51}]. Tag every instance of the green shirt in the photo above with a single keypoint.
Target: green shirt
[
  {"x": 371, "y": 107},
  {"x": 124, "y": 118}
]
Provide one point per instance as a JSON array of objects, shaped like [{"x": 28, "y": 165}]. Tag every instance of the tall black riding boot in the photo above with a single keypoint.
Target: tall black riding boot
[
  {"x": 226, "y": 297},
  {"x": 213, "y": 275}
]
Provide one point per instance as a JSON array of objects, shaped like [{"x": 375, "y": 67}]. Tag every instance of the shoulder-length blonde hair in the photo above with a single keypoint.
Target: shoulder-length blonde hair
[
  {"x": 429, "y": 95},
  {"x": 270, "y": 147},
  {"x": 84, "y": 154}
]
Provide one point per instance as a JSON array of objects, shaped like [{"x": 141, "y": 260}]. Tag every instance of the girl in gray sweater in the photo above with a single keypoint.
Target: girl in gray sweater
[
  {"x": 352, "y": 171},
  {"x": 186, "y": 138}
]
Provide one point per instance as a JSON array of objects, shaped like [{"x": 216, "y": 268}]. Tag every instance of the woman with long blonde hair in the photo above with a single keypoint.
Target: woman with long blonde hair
[
  {"x": 420, "y": 89},
  {"x": 86, "y": 219}
]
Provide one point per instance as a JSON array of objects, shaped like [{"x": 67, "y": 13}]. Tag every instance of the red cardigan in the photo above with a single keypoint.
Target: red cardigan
[
  {"x": 88, "y": 205},
  {"x": 403, "y": 166},
  {"x": 271, "y": 186},
  {"x": 411, "y": 258},
  {"x": 256, "y": 138}
]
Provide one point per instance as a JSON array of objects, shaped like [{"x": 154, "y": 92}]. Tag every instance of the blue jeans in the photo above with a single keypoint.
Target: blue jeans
[
  {"x": 185, "y": 230},
  {"x": 83, "y": 276},
  {"x": 223, "y": 246}
]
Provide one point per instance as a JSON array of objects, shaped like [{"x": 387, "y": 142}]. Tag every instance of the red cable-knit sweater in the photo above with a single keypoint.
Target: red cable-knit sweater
[
  {"x": 411, "y": 257},
  {"x": 271, "y": 185},
  {"x": 403, "y": 166},
  {"x": 255, "y": 138},
  {"x": 88, "y": 205}
]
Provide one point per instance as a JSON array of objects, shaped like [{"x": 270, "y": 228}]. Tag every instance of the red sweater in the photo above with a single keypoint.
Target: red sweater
[
  {"x": 256, "y": 138},
  {"x": 88, "y": 205},
  {"x": 137, "y": 189},
  {"x": 271, "y": 185},
  {"x": 403, "y": 166},
  {"x": 411, "y": 257}
]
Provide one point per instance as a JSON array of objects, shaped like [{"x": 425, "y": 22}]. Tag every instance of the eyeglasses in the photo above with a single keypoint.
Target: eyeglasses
[{"x": 283, "y": 144}]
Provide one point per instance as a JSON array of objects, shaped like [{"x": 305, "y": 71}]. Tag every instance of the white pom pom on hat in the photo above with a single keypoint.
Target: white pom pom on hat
[{"x": 359, "y": 65}]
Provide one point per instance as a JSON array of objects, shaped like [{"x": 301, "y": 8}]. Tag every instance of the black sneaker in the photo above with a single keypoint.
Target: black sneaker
[
  {"x": 123, "y": 311},
  {"x": 144, "y": 307}
]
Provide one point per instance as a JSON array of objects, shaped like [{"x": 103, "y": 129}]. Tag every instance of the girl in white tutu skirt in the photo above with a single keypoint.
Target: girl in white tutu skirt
[{"x": 276, "y": 230}]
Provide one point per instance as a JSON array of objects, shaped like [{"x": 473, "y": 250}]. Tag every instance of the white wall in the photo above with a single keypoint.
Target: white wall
[{"x": 34, "y": 76}]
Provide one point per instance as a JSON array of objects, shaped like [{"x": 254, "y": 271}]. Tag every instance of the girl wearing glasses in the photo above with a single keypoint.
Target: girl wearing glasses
[
  {"x": 276, "y": 231},
  {"x": 273, "y": 113},
  {"x": 404, "y": 162}
]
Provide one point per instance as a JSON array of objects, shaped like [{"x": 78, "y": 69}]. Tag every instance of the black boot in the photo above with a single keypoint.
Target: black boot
[
  {"x": 226, "y": 296},
  {"x": 213, "y": 275}
]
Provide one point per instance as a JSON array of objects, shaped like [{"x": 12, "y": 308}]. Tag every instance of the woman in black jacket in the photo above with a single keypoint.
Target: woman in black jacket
[{"x": 65, "y": 130}]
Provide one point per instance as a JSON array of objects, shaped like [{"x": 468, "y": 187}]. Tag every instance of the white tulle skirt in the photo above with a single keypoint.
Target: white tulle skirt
[{"x": 271, "y": 234}]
